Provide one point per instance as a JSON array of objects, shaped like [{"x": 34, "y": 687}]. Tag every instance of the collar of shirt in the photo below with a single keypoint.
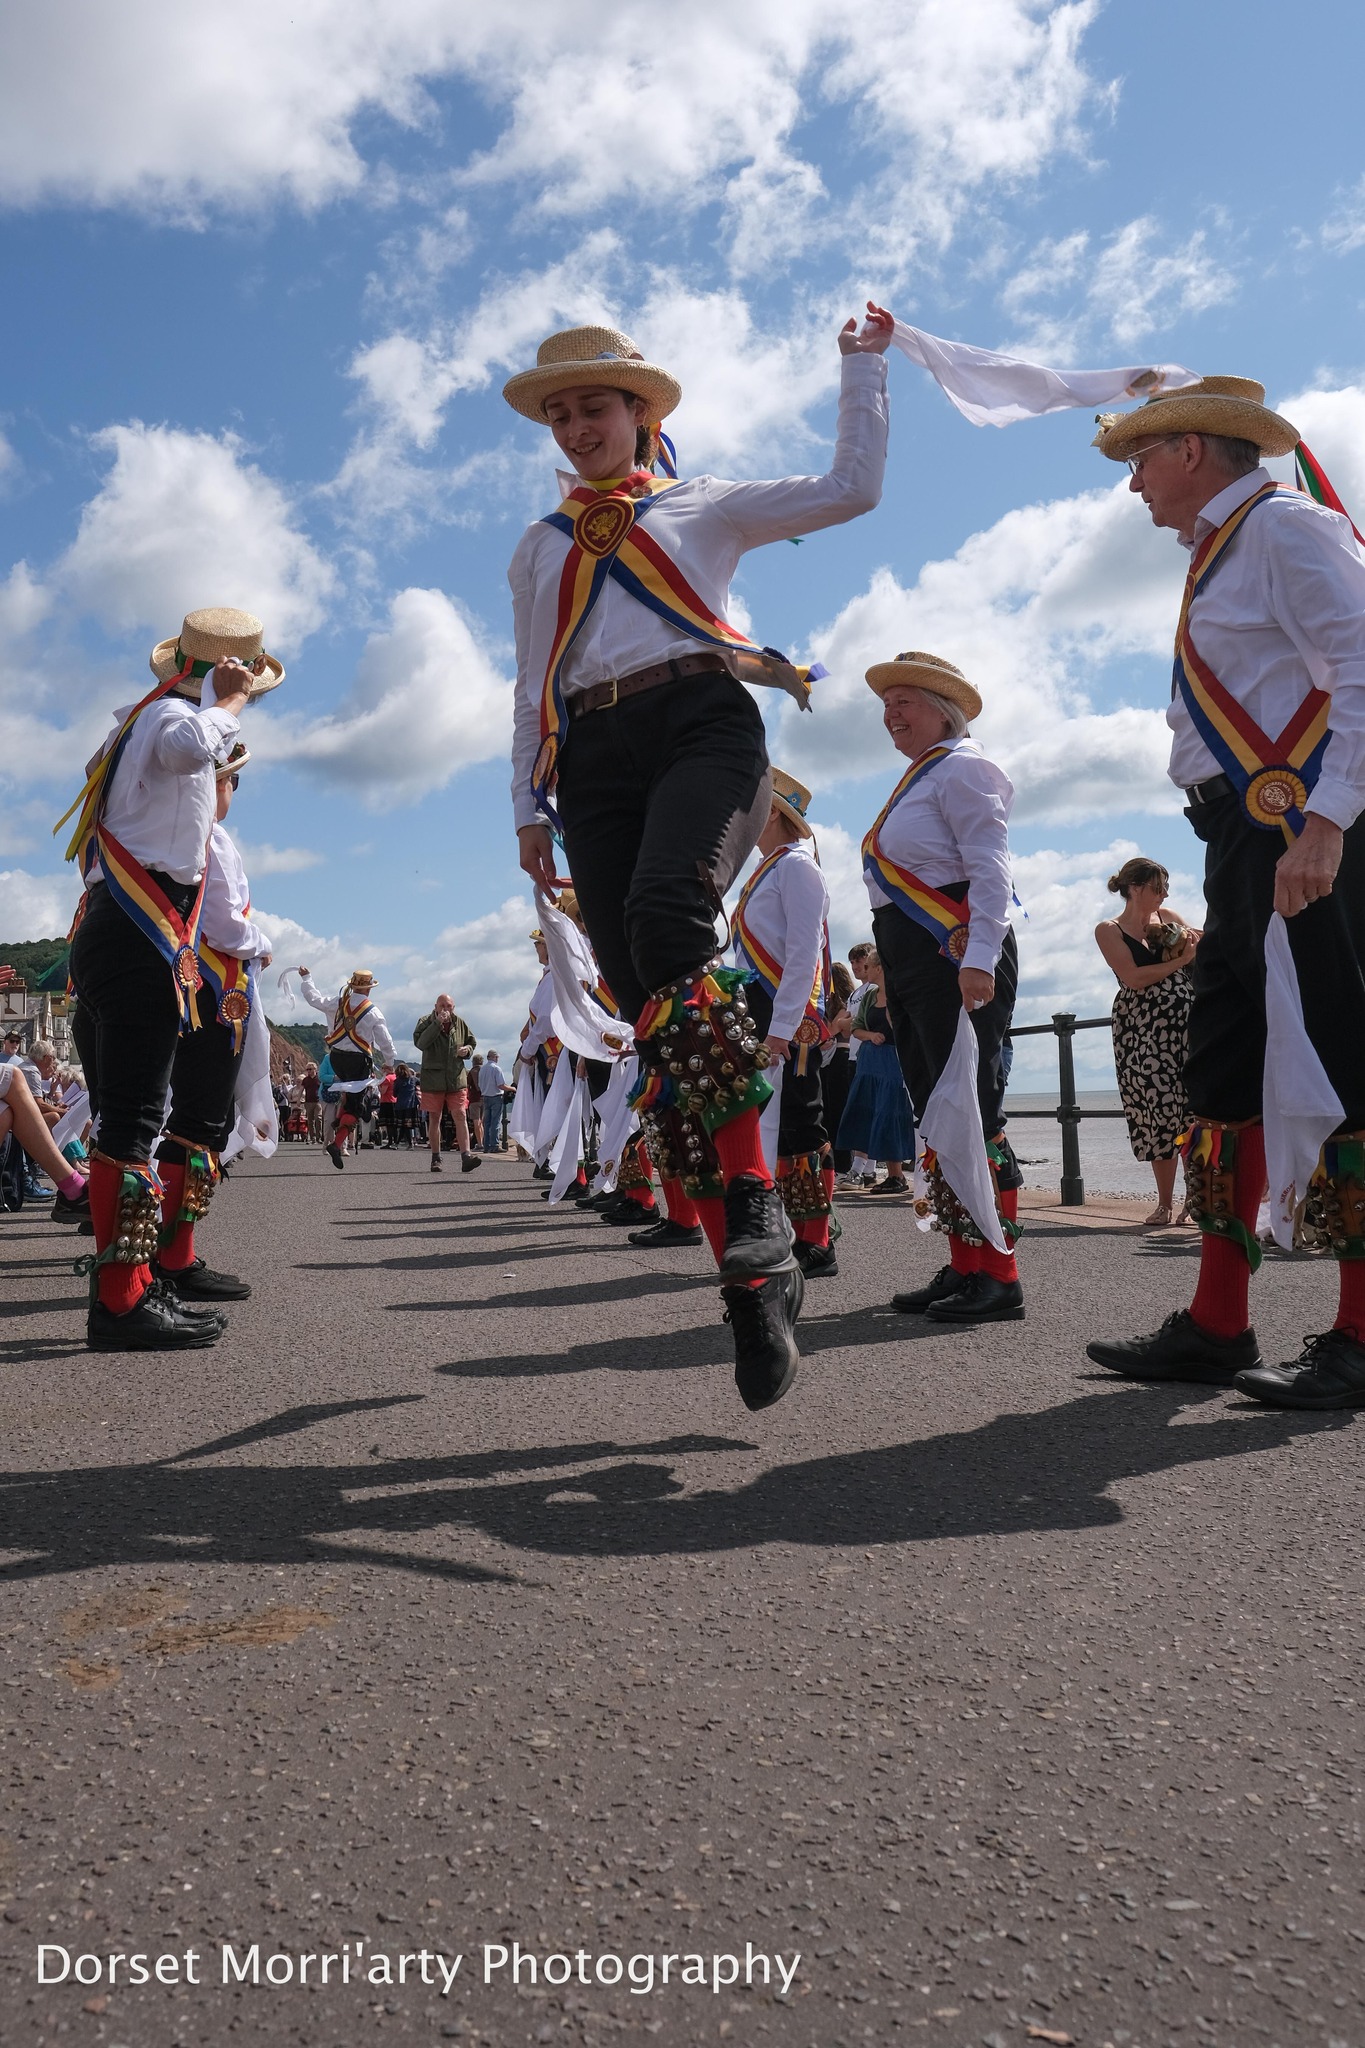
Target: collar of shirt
[{"x": 1224, "y": 503}]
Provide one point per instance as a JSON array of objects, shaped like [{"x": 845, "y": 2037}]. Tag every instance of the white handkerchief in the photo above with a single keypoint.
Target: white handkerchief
[
  {"x": 951, "y": 1125},
  {"x": 992, "y": 390},
  {"x": 1299, "y": 1104}
]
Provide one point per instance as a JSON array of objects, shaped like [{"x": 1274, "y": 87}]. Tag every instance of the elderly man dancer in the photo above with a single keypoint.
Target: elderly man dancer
[{"x": 1268, "y": 717}]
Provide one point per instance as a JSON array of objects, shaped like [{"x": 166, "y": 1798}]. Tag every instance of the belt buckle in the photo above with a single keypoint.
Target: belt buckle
[{"x": 610, "y": 703}]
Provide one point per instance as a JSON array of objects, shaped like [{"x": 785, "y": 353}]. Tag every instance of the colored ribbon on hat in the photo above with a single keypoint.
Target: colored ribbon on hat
[
  {"x": 1315, "y": 482},
  {"x": 1272, "y": 776},
  {"x": 942, "y": 916}
]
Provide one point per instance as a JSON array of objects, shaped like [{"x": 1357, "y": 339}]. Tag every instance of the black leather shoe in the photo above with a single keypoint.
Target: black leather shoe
[
  {"x": 763, "y": 1319},
  {"x": 665, "y": 1235},
  {"x": 468, "y": 1161},
  {"x": 1328, "y": 1373},
  {"x": 198, "y": 1282},
  {"x": 545, "y": 1172},
  {"x": 152, "y": 1326},
  {"x": 946, "y": 1281},
  {"x": 71, "y": 1212},
  {"x": 336, "y": 1155},
  {"x": 817, "y": 1261},
  {"x": 1179, "y": 1350},
  {"x": 758, "y": 1239},
  {"x": 196, "y": 1312},
  {"x": 627, "y": 1212},
  {"x": 980, "y": 1300}
]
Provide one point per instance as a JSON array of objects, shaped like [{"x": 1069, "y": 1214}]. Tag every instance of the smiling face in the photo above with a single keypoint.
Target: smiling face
[
  {"x": 595, "y": 426},
  {"x": 912, "y": 721}
]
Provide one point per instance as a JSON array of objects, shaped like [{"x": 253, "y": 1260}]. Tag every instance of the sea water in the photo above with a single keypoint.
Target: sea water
[{"x": 1107, "y": 1163}]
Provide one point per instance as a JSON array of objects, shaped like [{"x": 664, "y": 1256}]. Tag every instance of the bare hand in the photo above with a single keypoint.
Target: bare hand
[
  {"x": 303, "y": 971},
  {"x": 537, "y": 853},
  {"x": 778, "y": 1047},
  {"x": 232, "y": 681},
  {"x": 874, "y": 337},
  {"x": 1307, "y": 870},
  {"x": 266, "y": 959},
  {"x": 978, "y": 987}
]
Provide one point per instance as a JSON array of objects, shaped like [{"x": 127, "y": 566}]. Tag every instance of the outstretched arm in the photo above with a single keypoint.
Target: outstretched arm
[{"x": 20, "y": 1113}]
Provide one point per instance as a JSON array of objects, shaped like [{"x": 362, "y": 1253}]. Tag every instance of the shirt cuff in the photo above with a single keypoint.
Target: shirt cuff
[
  {"x": 224, "y": 727},
  {"x": 982, "y": 952},
  {"x": 526, "y": 811},
  {"x": 1336, "y": 801}
]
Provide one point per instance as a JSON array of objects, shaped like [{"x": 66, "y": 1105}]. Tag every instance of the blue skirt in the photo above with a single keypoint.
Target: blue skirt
[{"x": 877, "y": 1119}]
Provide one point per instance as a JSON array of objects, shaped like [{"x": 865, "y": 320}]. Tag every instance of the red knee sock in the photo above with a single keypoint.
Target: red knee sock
[
  {"x": 681, "y": 1208},
  {"x": 1351, "y": 1310},
  {"x": 814, "y": 1230},
  {"x": 1220, "y": 1299},
  {"x": 643, "y": 1195},
  {"x": 179, "y": 1251},
  {"x": 121, "y": 1287},
  {"x": 711, "y": 1216},
  {"x": 1001, "y": 1265},
  {"x": 962, "y": 1257},
  {"x": 740, "y": 1150}
]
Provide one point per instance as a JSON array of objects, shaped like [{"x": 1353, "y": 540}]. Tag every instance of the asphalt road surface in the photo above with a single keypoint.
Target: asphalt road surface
[{"x": 455, "y": 1602}]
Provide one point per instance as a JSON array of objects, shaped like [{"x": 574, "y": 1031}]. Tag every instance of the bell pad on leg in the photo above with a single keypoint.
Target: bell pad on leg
[{"x": 1211, "y": 1191}]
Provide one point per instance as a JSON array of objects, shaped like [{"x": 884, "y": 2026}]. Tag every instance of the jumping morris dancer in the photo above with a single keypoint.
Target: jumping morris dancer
[
  {"x": 631, "y": 718},
  {"x": 146, "y": 814},
  {"x": 231, "y": 952},
  {"x": 356, "y": 1031},
  {"x": 781, "y": 939},
  {"x": 1268, "y": 720},
  {"x": 937, "y": 868}
]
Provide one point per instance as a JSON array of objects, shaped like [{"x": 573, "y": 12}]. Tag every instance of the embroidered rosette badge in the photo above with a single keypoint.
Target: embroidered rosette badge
[
  {"x": 1272, "y": 795},
  {"x": 955, "y": 943},
  {"x": 234, "y": 1008},
  {"x": 599, "y": 529},
  {"x": 187, "y": 969}
]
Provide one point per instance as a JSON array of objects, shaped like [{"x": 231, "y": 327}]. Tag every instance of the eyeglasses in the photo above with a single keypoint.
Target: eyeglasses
[{"x": 1135, "y": 462}]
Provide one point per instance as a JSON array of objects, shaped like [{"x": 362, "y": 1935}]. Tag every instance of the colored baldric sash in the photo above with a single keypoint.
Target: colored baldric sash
[
  {"x": 345, "y": 1021},
  {"x": 1273, "y": 777},
  {"x": 940, "y": 915},
  {"x": 606, "y": 532},
  {"x": 233, "y": 985},
  {"x": 132, "y": 888},
  {"x": 812, "y": 1030}
]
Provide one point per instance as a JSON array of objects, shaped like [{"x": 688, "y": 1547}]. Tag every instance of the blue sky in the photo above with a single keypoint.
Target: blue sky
[{"x": 255, "y": 356}]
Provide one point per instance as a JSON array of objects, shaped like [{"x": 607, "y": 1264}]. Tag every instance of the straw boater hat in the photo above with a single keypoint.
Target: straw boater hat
[
  {"x": 1231, "y": 406},
  {"x": 591, "y": 355},
  {"x": 792, "y": 798},
  {"x": 214, "y": 635},
  {"x": 361, "y": 978},
  {"x": 238, "y": 758},
  {"x": 926, "y": 672}
]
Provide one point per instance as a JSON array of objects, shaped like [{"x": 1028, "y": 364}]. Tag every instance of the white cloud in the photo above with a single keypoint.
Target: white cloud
[
  {"x": 24, "y": 603},
  {"x": 1116, "y": 295},
  {"x": 486, "y": 966},
  {"x": 184, "y": 520},
  {"x": 426, "y": 702},
  {"x": 1032, "y": 610},
  {"x": 36, "y": 906},
  {"x": 277, "y": 860},
  {"x": 1332, "y": 423},
  {"x": 1344, "y": 229}
]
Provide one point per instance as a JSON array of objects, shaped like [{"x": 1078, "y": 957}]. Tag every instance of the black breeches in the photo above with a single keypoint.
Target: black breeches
[
  {"x": 1225, "y": 1070},
  {"x": 204, "y": 1080},
  {"x": 127, "y": 1022},
  {"x": 650, "y": 792},
  {"x": 924, "y": 1004},
  {"x": 801, "y": 1116}
]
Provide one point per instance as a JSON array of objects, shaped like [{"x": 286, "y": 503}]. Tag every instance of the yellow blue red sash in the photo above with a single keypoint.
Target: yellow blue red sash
[
  {"x": 142, "y": 899},
  {"x": 755, "y": 955},
  {"x": 233, "y": 983},
  {"x": 344, "y": 1023},
  {"x": 947, "y": 919},
  {"x": 607, "y": 536},
  {"x": 1272, "y": 776}
]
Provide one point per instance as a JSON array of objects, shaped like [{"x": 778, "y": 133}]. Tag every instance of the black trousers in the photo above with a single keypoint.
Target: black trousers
[
  {"x": 204, "y": 1080},
  {"x": 127, "y": 1022},
  {"x": 1224, "y": 1073},
  {"x": 801, "y": 1123},
  {"x": 924, "y": 1003},
  {"x": 669, "y": 781}
]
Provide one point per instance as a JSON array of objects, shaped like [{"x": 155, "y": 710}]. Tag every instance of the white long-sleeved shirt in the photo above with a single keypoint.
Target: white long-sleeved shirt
[
  {"x": 542, "y": 1003},
  {"x": 371, "y": 1029},
  {"x": 1283, "y": 612},
  {"x": 225, "y": 922},
  {"x": 952, "y": 825},
  {"x": 162, "y": 795},
  {"x": 787, "y": 913},
  {"x": 704, "y": 525}
]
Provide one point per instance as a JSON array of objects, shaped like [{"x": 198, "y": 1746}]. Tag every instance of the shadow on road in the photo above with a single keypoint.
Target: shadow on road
[
  {"x": 669, "y": 1350},
  {"x": 1015, "y": 1475}
]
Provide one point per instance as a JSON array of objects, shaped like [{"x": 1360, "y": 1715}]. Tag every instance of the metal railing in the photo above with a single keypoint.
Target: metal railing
[{"x": 1068, "y": 1112}]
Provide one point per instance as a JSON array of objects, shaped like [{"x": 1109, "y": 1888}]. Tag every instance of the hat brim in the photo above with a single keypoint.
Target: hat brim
[
  {"x": 792, "y": 816},
  {"x": 227, "y": 768},
  {"x": 919, "y": 675},
  {"x": 527, "y": 392},
  {"x": 163, "y": 664},
  {"x": 1237, "y": 419}
]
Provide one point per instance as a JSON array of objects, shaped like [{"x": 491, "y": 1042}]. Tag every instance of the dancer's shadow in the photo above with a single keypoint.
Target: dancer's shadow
[
  {"x": 681, "y": 1350},
  {"x": 450, "y": 1262},
  {"x": 590, "y": 1295},
  {"x": 1048, "y": 1470}
]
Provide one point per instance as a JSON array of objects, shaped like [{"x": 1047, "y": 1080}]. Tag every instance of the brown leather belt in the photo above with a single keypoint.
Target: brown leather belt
[{"x": 602, "y": 696}]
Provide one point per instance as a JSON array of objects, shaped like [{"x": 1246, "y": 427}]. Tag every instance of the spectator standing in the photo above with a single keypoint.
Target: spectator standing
[
  {"x": 493, "y": 1093},
  {"x": 388, "y": 1107},
  {"x": 405, "y": 1103},
  {"x": 476, "y": 1101},
  {"x": 312, "y": 1103},
  {"x": 445, "y": 1042},
  {"x": 1151, "y": 951},
  {"x": 877, "y": 1121}
]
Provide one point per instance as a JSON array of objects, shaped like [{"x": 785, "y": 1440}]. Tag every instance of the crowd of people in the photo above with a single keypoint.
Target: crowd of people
[{"x": 715, "y": 1090}]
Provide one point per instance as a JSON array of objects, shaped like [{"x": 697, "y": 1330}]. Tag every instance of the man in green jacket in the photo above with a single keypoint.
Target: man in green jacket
[{"x": 445, "y": 1042}]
